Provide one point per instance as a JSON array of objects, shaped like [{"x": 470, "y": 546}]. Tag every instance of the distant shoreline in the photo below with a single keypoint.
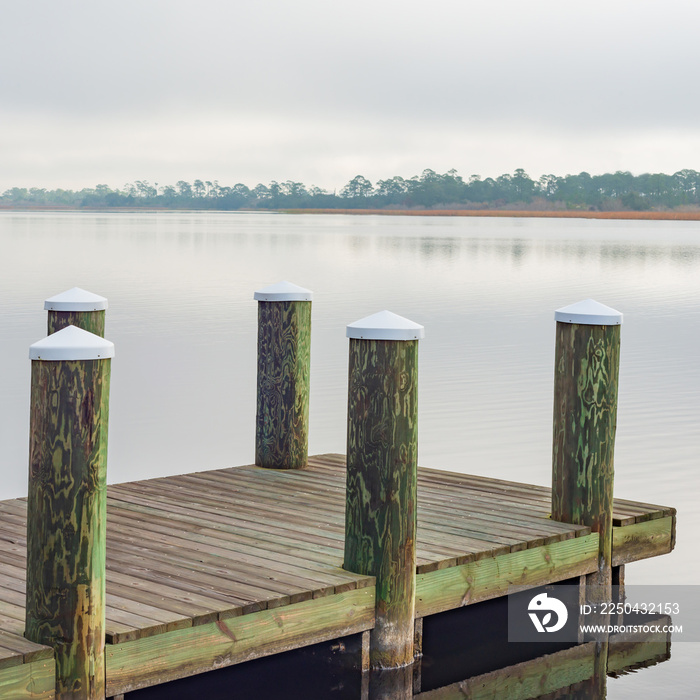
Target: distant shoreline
[{"x": 503, "y": 213}]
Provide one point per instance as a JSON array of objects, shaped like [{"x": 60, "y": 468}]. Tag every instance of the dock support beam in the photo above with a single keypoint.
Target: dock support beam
[
  {"x": 587, "y": 363},
  {"x": 382, "y": 446},
  {"x": 76, "y": 307},
  {"x": 284, "y": 344},
  {"x": 66, "y": 507}
]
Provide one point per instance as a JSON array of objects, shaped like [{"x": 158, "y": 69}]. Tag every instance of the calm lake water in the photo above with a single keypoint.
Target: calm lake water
[{"x": 182, "y": 316}]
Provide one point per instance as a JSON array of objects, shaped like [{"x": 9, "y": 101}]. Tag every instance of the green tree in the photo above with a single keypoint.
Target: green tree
[
  {"x": 184, "y": 189},
  {"x": 358, "y": 187}
]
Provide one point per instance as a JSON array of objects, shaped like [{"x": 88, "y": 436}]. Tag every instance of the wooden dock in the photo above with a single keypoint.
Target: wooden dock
[
  {"x": 106, "y": 590},
  {"x": 214, "y": 568}
]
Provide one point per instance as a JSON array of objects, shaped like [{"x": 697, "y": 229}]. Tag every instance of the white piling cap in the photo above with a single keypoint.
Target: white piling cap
[
  {"x": 589, "y": 313},
  {"x": 283, "y": 291},
  {"x": 385, "y": 326},
  {"x": 76, "y": 299},
  {"x": 71, "y": 343}
]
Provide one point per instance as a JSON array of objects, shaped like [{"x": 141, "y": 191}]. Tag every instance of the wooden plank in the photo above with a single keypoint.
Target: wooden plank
[
  {"x": 33, "y": 681},
  {"x": 257, "y": 567},
  {"x": 429, "y": 502},
  {"x": 525, "y": 495},
  {"x": 12, "y": 609},
  {"x": 248, "y": 517},
  {"x": 480, "y": 513},
  {"x": 166, "y": 657},
  {"x": 332, "y": 476},
  {"x": 493, "y": 528},
  {"x": 532, "y": 541},
  {"x": 15, "y": 508},
  {"x": 490, "y": 578},
  {"x": 189, "y": 579},
  {"x": 12, "y": 625},
  {"x": 511, "y": 491},
  {"x": 245, "y": 579},
  {"x": 166, "y": 494},
  {"x": 30, "y": 651},
  {"x": 301, "y": 482},
  {"x": 228, "y": 522},
  {"x": 469, "y": 503},
  {"x": 15, "y": 555},
  {"x": 12, "y": 577},
  {"x": 15, "y": 598},
  {"x": 228, "y": 528},
  {"x": 121, "y": 622},
  {"x": 9, "y": 657},
  {"x": 276, "y": 558},
  {"x": 145, "y": 619},
  {"x": 200, "y": 608},
  {"x": 642, "y": 540}
]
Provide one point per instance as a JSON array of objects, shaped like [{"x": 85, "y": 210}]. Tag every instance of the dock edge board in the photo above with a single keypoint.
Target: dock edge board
[
  {"x": 650, "y": 538},
  {"x": 30, "y": 681},
  {"x": 446, "y": 589},
  {"x": 181, "y": 653}
]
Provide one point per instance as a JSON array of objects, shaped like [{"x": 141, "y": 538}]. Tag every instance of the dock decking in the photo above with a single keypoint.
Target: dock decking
[{"x": 214, "y": 568}]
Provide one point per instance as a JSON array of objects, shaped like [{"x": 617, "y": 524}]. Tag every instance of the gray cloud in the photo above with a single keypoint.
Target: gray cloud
[{"x": 248, "y": 91}]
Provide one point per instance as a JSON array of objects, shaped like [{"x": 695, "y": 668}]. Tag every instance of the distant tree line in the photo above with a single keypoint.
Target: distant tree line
[{"x": 430, "y": 190}]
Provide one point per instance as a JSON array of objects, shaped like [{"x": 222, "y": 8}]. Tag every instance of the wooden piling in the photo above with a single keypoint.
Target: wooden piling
[
  {"x": 66, "y": 507},
  {"x": 382, "y": 443},
  {"x": 587, "y": 362},
  {"x": 76, "y": 307},
  {"x": 284, "y": 344}
]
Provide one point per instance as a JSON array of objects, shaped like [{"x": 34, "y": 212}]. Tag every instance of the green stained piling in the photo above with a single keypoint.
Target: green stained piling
[
  {"x": 284, "y": 358},
  {"x": 382, "y": 447},
  {"x": 91, "y": 321},
  {"x": 76, "y": 307},
  {"x": 587, "y": 362},
  {"x": 66, "y": 508}
]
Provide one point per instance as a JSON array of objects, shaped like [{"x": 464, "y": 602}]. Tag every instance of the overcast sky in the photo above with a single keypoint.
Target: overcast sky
[{"x": 318, "y": 91}]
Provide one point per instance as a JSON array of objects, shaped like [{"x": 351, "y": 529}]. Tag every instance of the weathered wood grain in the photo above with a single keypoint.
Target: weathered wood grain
[
  {"x": 452, "y": 588},
  {"x": 26, "y": 650},
  {"x": 91, "y": 321},
  {"x": 381, "y": 507},
  {"x": 32, "y": 681},
  {"x": 185, "y": 652},
  {"x": 284, "y": 345},
  {"x": 651, "y": 538},
  {"x": 66, "y": 521},
  {"x": 587, "y": 365}
]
